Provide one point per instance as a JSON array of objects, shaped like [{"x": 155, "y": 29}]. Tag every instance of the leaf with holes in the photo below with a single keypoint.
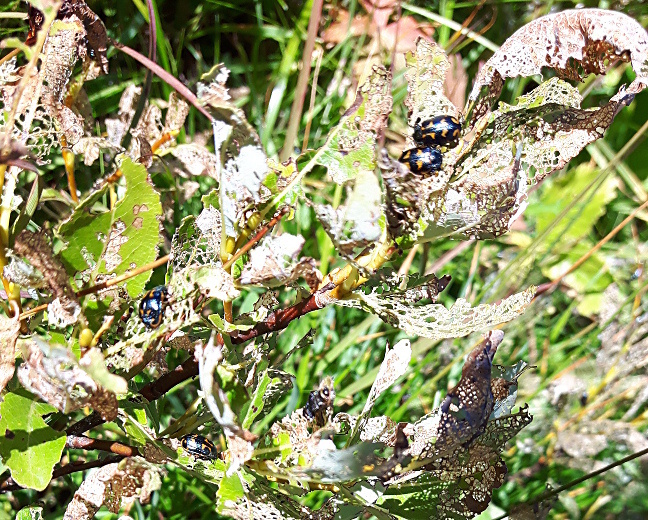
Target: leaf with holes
[{"x": 104, "y": 242}]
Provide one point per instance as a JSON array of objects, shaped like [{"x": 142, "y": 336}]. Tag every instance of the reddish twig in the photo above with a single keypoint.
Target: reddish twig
[
  {"x": 159, "y": 387},
  {"x": 260, "y": 234},
  {"x": 164, "y": 76},
  {"x": 72, "y": 467},
  {"x": 279, "y": 320},
  {"x": 152, "y": 391},
  {"x": 86, "y": 443}
]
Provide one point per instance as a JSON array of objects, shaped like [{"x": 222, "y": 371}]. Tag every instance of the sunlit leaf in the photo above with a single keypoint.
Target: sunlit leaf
[
  {"x": 30, "y": 448},
  {"x": 115, "y": 240}
]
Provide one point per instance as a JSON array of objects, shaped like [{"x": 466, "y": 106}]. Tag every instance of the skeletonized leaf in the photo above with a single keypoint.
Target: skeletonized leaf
[
  {"x": 274, "y": 262},
  {"x": 393, "y": 366},
  {"x": 351, "y": 145},
  {"x": 30, "y": 448},
  {"x": 467, "y": 407},
  {"x": 573, "y": 43},
  {"x": 356, "y": 223},
  {"x": 433, "y": 320},
  {"x": 427, "y": 69},
  {"x": 115, "y": 485},
  {"x": 243, "y": 497},
  {"x": 460, "y": 484}
]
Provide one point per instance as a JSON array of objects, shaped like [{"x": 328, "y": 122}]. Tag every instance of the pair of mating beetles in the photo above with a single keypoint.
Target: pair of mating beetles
[{"x": 430, "y": 136}]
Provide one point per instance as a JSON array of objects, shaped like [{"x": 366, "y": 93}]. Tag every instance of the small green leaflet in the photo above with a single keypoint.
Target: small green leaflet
[
  {"x": 30, "y": 448},
  {"x": 256, "y": 404}
]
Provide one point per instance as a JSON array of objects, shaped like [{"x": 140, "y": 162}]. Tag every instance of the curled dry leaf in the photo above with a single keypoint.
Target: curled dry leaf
[
  {"x": 573, "y": 43},
  {"x": 61, "y": 51},
  {"x": 95, "y": 36},
  {"x": 274, "y": 262},
  {"x": 116, "y": 486},
  {"x": 9, "y": 330},
  {"x": 467, "y": 407},
  {"x": 209, "y": 358},
  {"x": 434, "y": 320},
  {"x": 54, "y": 375},
  {"x": 35, "y": 248}
]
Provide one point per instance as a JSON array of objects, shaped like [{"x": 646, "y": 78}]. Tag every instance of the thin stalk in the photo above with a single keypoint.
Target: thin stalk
[
  {"x": 302, "y": 81},
  {"x": 548, "y": 494},
  {"x": 104, "y": 285}
]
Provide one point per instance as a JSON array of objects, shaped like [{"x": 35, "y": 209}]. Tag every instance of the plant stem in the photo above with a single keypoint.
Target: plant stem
[
  {"x": 72, "y": 467},
  {"x": 302, "y": 81}
]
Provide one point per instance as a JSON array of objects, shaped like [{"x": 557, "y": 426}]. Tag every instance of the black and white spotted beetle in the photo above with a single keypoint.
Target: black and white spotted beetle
[
  {"x": 151, "y": 308},
  {"x": 199, "y": 446},
  {"x": 438, "y": 131},
  {"x": 422, "y": 160}
]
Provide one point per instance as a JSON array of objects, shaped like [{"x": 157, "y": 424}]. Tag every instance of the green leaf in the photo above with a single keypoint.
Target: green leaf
[
  {"x": 30, "y": 513},
  {"x": 230, "y": 489},
  {"x": 558, "y": 193},
  {"x": 103, "y": 241},
  {"x": 351, "y": 146},
  {"x": 31, "y": 448},
  {"x": 256, "y": 403},
  {"x": 28, "y": 209}
]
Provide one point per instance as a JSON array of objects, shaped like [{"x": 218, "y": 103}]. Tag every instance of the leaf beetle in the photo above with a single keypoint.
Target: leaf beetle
[
  {"x": 319, "y": 406},
  {"x": 151, "y": 307},
  {"x": 422, "y": 160},
  {"x": 438, "y": 131},
  {"x": 199, "y": 446}
]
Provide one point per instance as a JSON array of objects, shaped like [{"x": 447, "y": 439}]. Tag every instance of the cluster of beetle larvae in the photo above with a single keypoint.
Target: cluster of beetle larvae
[{"x": 431, "y": 137}]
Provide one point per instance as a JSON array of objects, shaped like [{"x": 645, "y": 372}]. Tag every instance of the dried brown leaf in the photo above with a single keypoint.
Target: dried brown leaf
[
  {"x": 275, "y": 262},
  {"x": 36, "y": 249},
  {"x": 53, "y": 374},
  {"x": 9, "y": 330},
  {"x": 116, "y": 486}
]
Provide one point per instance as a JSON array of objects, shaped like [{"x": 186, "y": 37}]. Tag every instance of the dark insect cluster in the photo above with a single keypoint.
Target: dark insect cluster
[
  {"x": 151, "y": 308},
  {"x": 319, "y": 406},
  {"x": 431, "y": 136},
  {"x": 199, "y": 446}
]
